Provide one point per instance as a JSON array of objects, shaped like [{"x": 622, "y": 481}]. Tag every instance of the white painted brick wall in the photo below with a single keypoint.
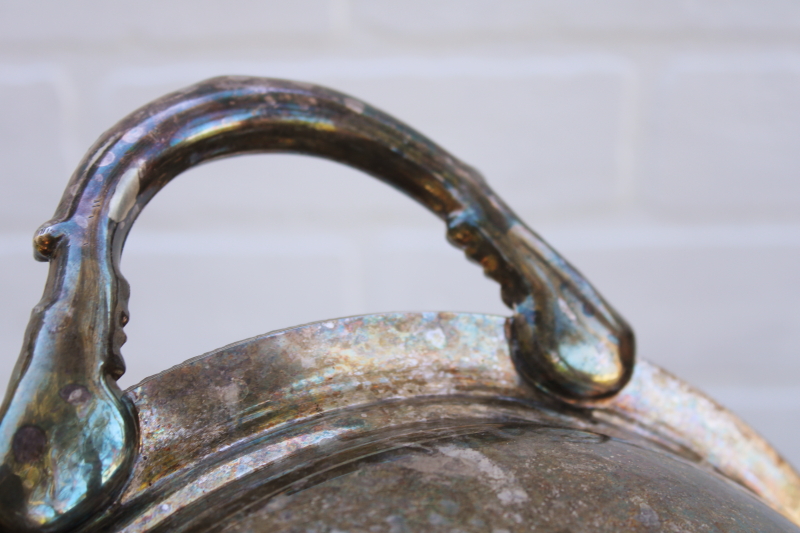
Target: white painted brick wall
[
  {"x": 726, "y": 135},
  {"x": 654, "y": 143},
  {"x": 449, "y": 18}
]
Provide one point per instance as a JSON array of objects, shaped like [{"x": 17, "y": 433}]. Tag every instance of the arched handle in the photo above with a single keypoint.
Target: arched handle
[{"x": 66, "y": 436}]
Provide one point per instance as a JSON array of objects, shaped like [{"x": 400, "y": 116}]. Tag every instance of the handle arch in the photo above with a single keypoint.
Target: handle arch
[{"x": 64, "y": 414}]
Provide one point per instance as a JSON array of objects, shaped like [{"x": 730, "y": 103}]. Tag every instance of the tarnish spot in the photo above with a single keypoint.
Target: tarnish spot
[
  {"x": 456, "y": 461},
  {"x": 124, "y": 195},
  {"x": 436, "y": 338},
  {"x": 230, "y": 395},
  {"x": 81, "y": 221},
  {"x": 503, "y": 482},
  {"x": 75, "y": 394},
  {"x": 107, "y": 159},
  {"x": 133, "y": 135},
  {"x": 648, "y": 517},
  {"x": 29, "y": 444}
]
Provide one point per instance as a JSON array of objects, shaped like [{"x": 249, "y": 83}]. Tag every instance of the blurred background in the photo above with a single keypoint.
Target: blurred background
[{"x": 655, "y": 144}]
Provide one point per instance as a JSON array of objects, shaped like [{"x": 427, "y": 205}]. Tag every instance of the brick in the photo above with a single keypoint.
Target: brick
[
  {"x": 34, "y": 172},
  {"x": 203, "y": 21},
  {"x": 441, "y": 19},
  {"x": 207, "y": 20},
  {"x": 725, "y": 137},
  {"x": 417, "y": 270},
  {"x": 193, "y": 292},
  {"x": 94, "y": 21}
]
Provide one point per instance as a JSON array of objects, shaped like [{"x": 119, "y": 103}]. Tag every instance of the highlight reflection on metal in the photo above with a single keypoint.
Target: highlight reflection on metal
[{"x": 227, "y": 440}]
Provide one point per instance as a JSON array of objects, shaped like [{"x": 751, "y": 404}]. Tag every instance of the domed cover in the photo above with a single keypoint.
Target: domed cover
[{"x": 419, "y": 422}]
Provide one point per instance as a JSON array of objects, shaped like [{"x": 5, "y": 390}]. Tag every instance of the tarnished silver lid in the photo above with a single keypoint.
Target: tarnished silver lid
[{"x": 420, "y": 422}]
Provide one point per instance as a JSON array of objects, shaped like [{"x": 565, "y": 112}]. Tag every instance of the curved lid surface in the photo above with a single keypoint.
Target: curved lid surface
[{"x": 229, "y": 416}]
